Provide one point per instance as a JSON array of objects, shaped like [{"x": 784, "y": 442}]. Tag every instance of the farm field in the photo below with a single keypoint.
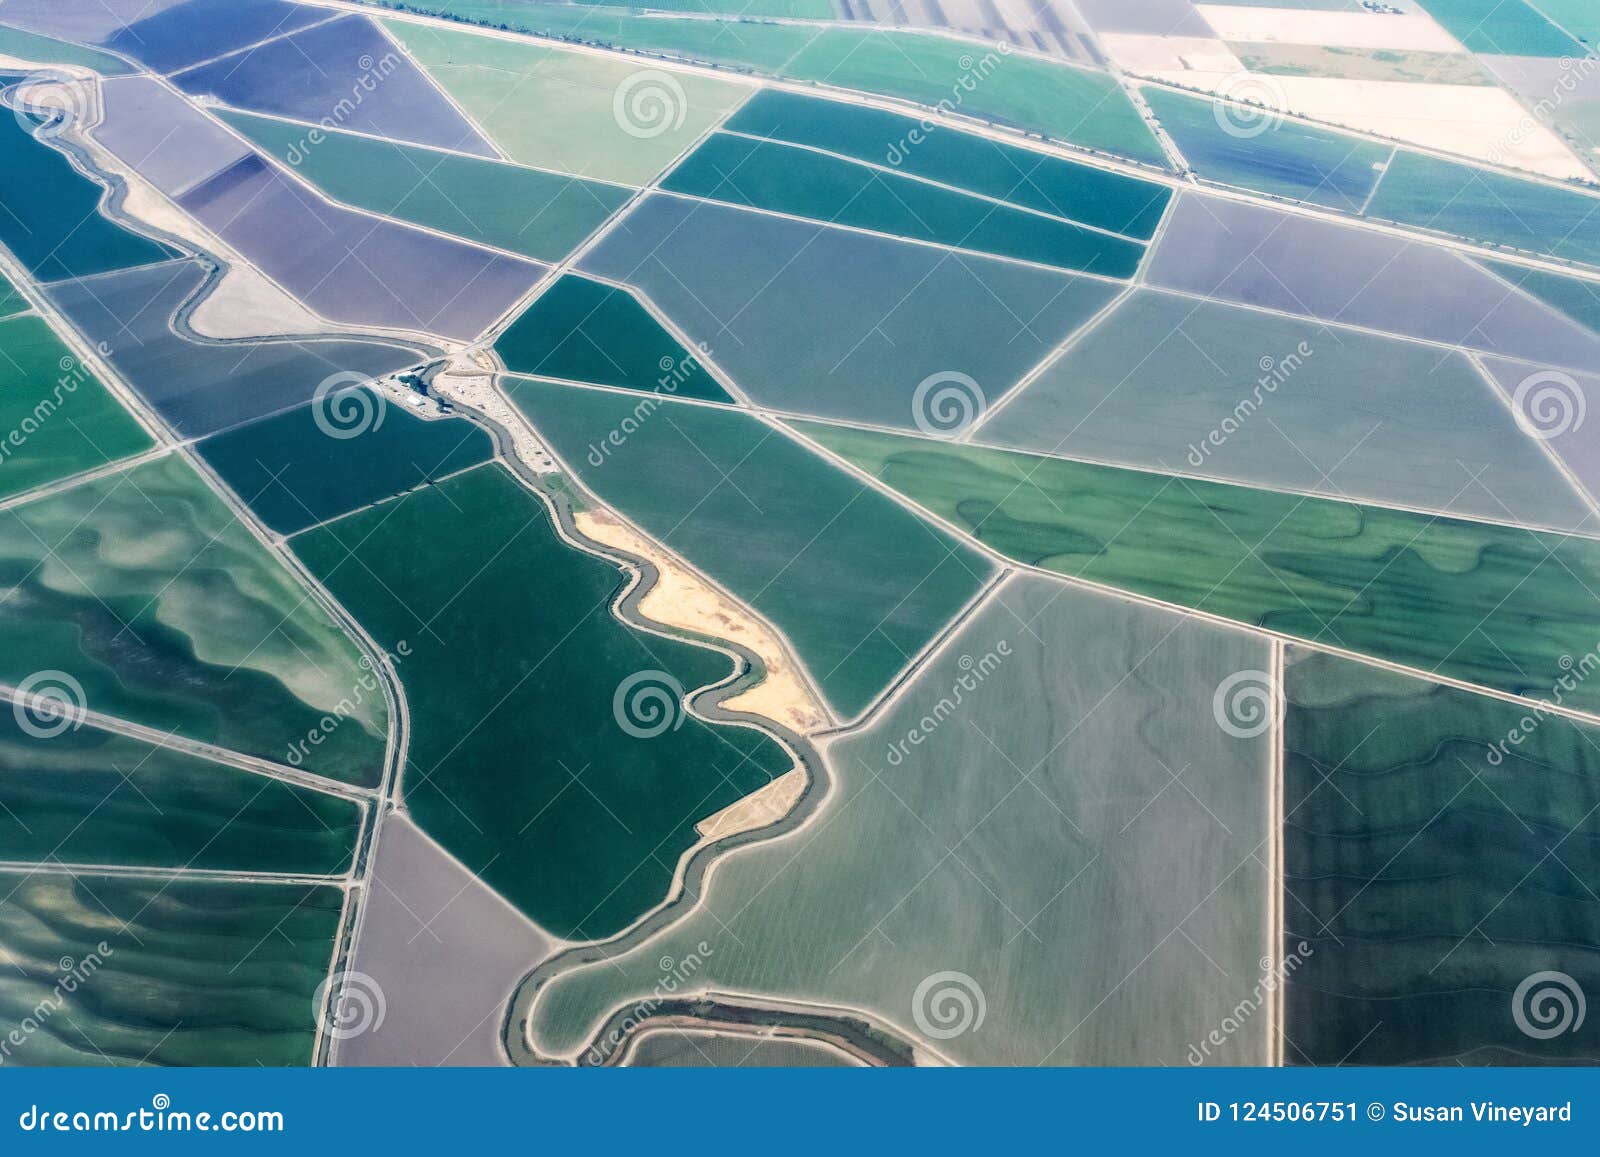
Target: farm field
[
  {"x": 1293, "y": 160},
  {"x": 777, "y": 177},
  {"x": 519, "y": 764},
  {"x": 191, "y": 973},
  {"x": 40, "y": 379},
  {"x": 747, "y": 284},
  {"x": 1174, "y": 384},
  {"x": 1046, "y": 822},
  {"x": 585, "y": 331},
  {"x": 87, "y": 796},
  {"x": 1513, "y": 27},
  {"x": 577, "y": 131},
  {"x": 1577, "y": 299},
  {"x": 856, "y": 583},
  {"x": 537, "y": 214},
  {"x": 336, "y": 455},
  {"x": 144, "y": 588},
  {"x": 1497, "y": 606},
  {"x": 1419, "y": 866}
]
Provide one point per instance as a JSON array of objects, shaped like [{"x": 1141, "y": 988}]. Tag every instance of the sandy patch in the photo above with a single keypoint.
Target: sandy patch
[
  {"x": 1481, "y": 123},
  {"x": 472, "y": 384},
  {"x": 685, "y": 601},
  {"x": 1414, "y": 31},
  {"x": 1149, "y": 55},
  {"x": 761, "y": 807}
]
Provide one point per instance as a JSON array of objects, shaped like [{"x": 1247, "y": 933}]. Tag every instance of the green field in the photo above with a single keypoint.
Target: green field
[
  {"x": 293, "y": 474},
  {"x": 146, "y": 589},
  {"x": 1507, "y": 27},
  {"x": 86, "y": 796},
  {"x": 1076, "y": 105},
  {"x": 856, "y": 583},
  {"x": 1487, "y": 206},
  {"x": 1009, "y": 173},
  {"x": 36, "y": 49},
  {"x": 1376, "y": 64},
  {"x": 162, "y": 972},
  {"x": 779, "y": 177},
  {"x": 792, "y": 9},
  {"x": 518, "y": 762},
  {"x": 1579, "y": 300},
  {"x": 1438, "y": 847},
  {"x": 585, "y": 331},
  {"x": 1490, "y": 605},
  {"x": 568, "y": 111},
  {"x": 1291, "y": 160},
  {"x": 56, "y": 419},
  {"x": 543, "y": 215},
  {"x": 1013, "y": 845},
  {"x": 50, "y": 213}
]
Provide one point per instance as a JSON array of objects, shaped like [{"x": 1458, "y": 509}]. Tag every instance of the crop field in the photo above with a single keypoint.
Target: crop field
[
  {"x": 144, "y": 588},
  {"x": 585, "y": 331},
  {"x": 1578, "y": 300},
  {"x": 1488, "y": 206},
  {"x": 1493, "y": 605},
  {"x": 1293, "y": 160},
  {"x": 527, "y": 211},
  {"x": 856, "y": 583},
  {"x": 1420, "y": 868},
  {"x": 92, "y": 797},
  {"x": 184, "y": 972},
  {"x": 798, "y": 182},
  {"x": 293, "y": 474},
  {"x": 165, "y": 38},
  {"x": 518, "y": 763},
  {"x": 1258, "y": 256},
  {"x": 1513, "y": 27},
  {"x": 745, "y": 285},
  {"x": 1047, "y": 817},
  {"x": 200, "y": 386},
  {"x": 39, "y": 380},
  {"x": 577, "y": 130},
  {"x": 1342, "y": 414}
]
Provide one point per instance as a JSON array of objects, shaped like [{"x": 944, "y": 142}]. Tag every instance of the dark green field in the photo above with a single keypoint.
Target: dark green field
[
  {"x": 293, "y": 474},
  {"x": 542, "y": 215},
  {"x": 170, "y": 972},
  {"x": 87, "y": 796},
  {"x": 857, "y": 583},
  {"x": 1432, "y": 864},
  {"x": 1578, "y": 299},
  {"x": 518, "y": 764},
  {"x": 586, "y": 331},
  {"x": 50, "y": 213},
  {"x": 1486, "y": 604},
  {"x": 775, "y": 176}
]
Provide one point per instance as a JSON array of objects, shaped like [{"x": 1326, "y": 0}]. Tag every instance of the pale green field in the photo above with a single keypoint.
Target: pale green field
[
  {"x": 1013, "y": 845},
  {"x": 570, "y": 111}
]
